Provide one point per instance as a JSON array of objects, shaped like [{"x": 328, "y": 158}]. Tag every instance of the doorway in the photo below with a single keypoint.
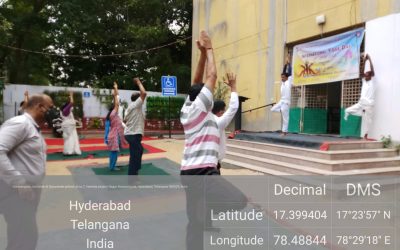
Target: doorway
[{"x": 334, "y": 96}]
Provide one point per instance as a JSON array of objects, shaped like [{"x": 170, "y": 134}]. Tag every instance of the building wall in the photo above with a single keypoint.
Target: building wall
[
  {"x": 384, "y": 48},
  {"x": 92, "y": 107},
  {"x": 339, "y": 14},
  {"x": 246, "y": 42},
  {"x": 250, "y": 38}
]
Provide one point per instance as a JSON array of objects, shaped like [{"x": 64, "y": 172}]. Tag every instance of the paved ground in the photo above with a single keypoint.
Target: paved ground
[{"x": 173, "y": 151}]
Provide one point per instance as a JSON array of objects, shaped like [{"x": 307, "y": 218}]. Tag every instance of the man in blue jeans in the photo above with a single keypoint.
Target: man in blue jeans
[{"x": 134, "y": 121}]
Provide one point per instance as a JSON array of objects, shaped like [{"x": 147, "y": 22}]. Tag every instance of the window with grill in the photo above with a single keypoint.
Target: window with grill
[
  {"x": 315, "y": 96},
  {"x": 351, "y": 91}
]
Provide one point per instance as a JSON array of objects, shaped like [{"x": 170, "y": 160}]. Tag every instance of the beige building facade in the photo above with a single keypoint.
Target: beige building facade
[{"x": 252, "y": 38}]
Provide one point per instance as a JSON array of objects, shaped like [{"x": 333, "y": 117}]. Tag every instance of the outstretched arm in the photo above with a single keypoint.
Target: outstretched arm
[{"x": 143, "y": 92}]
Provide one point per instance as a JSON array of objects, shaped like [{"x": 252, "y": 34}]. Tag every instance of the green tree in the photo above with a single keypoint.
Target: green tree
[
  {"x": 28, "y": 26},
  {"x": 99, "y": 27}
]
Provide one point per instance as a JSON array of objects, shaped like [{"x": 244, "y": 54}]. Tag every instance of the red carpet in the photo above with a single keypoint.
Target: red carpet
[
  {"x": 150, "y": 149},
  {"x": 60, "y": 141}
]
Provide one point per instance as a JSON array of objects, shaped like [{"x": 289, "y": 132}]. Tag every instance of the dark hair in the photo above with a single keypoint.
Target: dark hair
[
  {"x": 22, "y": 103},
  {"x": 195, "y": 90},
  {"x": 287, "y": 70},
  {"x": 219, "y": 105},
  {"x": 110, "y": 109},
  {"x": 135, "y": 96}
]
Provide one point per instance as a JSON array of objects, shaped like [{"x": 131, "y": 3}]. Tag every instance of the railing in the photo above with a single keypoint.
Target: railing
[{"x": 258, "y": 108}]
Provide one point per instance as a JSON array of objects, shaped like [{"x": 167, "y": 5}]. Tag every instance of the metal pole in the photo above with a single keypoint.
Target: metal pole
[{"x": 169, "y": 115}]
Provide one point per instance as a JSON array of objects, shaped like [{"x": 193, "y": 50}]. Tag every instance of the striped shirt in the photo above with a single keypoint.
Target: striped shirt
[{"x": 201, "y": 132}]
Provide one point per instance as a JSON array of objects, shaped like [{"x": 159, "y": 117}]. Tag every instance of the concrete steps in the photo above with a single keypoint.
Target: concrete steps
[
  {"x": 355, "y": 145},
  {"x": 311, "y": 153},
  {"x": 341, "y": 158}
]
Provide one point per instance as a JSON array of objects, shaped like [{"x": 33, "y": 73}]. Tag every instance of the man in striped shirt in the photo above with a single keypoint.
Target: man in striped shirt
[
  {"x": 200, "y": 156},
  {"x": 201, "y": 153}
]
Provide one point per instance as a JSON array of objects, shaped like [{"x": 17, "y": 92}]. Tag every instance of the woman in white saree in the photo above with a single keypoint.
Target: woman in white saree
[{"x": 68, "y": 125}]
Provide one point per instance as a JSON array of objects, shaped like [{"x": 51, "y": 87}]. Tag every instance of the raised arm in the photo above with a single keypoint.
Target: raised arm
[
  {"x": 211, "y": 69},
  {"x": 198, "y": 76},
  {"x": 229, "y": 114},
  {"x": 26, "y": 99},
  {"x": 67, "y": 109},
  {"x": 115, "y": 94},
  {"x": 230, "y": 80},
  {"x": 367, "y": 57},
  {"x": 143, "y": 92},
  {"x": 287, "y": 68},
  {"x": 71, "y": 97}
]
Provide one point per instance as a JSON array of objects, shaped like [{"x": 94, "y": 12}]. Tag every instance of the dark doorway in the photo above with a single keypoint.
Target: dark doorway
[{"x": 334, "y": 92}]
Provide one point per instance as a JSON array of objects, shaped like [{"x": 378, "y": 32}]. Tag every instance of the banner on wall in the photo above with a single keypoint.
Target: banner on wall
[{"x": 331, "y": 59}]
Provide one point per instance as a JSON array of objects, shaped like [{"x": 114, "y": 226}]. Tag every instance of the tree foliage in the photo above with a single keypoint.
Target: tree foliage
[{"x": 92, "y": 28}]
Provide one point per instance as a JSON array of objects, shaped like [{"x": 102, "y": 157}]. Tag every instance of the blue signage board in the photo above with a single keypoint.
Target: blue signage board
[
  {"x": 86, "y": 94},
  {"x": 169, "y": 85}
]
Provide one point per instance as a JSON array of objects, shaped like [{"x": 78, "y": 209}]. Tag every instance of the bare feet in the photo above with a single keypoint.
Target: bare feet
[{"x": 365, "y": 138}]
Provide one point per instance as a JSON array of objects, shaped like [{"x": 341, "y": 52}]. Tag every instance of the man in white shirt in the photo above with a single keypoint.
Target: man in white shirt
[
  {"x": 222, "y": 117},
  {"x": 364, "y": 107},
  {"x": 22, "y": 162},
  {"x": 283, "y": 105},
  {"x": 134, "y": 130}
]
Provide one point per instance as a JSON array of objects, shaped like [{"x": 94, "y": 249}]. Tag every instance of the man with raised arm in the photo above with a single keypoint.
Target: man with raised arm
[
  {"x": 364, "y": 107},
  {"x": 223, "y": 117},
  {"x": 283, "y": 106},
  {"x": 201, "y": 152},
  {"x": 200, "y": 155},
  {"x": 134, "y": 130}
]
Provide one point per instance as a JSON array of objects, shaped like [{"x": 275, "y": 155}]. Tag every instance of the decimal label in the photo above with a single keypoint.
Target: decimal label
[{"x": 299, "y": 240}]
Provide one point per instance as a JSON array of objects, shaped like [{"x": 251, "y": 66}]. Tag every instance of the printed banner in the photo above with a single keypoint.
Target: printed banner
[{"x": 331, "y": 59}]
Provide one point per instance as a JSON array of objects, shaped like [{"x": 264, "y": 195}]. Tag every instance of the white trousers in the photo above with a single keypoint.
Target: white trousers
[
  {"x": 365, "y": 111},
  {"x": 284, "y": 109}
]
